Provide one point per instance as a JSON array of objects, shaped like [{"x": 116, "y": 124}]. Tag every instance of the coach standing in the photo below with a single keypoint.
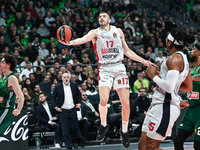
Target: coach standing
[{"x": 67, "y": 99}]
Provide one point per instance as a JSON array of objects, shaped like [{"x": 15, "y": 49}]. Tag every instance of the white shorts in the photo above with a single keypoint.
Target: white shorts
[
  {"x": 113, "y": 75},
  {"x": 159, "y": 120}
]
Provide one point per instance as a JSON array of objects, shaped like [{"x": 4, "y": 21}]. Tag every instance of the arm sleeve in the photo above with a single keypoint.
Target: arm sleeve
[{"x": 169, "y": 84}]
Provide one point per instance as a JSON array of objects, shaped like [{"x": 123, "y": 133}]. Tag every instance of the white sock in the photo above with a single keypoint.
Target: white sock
[
  {"x": 103, "y": 114},
  {"x": 124, "y": 126}
]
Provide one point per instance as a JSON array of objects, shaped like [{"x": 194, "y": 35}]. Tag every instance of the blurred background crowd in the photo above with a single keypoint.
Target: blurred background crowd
[{"x": 28, "y": 31}]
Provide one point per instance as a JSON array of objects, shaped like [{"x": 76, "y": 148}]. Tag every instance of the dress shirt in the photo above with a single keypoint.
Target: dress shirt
[
  {"x": 68, "y": 100},
  {"x": 79, "y": 115},
  {"x": 46, "y": 107}
]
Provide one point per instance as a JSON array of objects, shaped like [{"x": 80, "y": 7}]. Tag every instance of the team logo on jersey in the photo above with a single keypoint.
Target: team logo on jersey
[
  {"x": 119, "y": 81},
  {"x": 114, "y": 35},
  {"x": 195, "y": 95},
  {"x": 1, "y": 99}
]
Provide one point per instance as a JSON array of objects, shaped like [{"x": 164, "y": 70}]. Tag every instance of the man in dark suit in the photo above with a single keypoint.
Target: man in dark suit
[
  {"x": 48, "y": 118},
  {"x": 67, "y": 99}
]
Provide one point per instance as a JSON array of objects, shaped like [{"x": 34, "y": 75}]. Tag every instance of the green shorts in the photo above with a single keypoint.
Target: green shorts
[
  {"x": 191, "y": 121},
  {"x": 6, "y": 118}
]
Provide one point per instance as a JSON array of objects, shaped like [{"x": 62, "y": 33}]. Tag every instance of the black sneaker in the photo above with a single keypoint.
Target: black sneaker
[
  {"x": 101, "y": 133},
  {"x": 125, "y": 139}
]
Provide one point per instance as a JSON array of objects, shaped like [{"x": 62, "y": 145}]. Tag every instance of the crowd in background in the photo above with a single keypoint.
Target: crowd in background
[{"x": 28, "y": 31}]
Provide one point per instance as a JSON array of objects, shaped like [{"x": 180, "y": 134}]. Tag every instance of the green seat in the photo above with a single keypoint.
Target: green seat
[
  {"x": 121, "y": 15},
  {"x": 57, "y": 9},
  {"x": 94, "y": 10},
  {"x": 61, "y": 4},
  {"x": 45, "y": 40},
  {"x": 24, "y": 42},
  {"x": 56, "y": 42},
  {"x": 9, "y": 21}
]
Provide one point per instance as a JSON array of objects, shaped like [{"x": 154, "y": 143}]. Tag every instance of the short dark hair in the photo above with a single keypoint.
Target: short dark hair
[
  {"x": 105, "y": 12},
  {"x": 9, "y": 59},
  {"x": 42, "y": 93}
]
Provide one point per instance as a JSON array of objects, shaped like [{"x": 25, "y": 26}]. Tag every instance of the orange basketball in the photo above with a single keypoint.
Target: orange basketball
[{"x": 64, "y": 33}]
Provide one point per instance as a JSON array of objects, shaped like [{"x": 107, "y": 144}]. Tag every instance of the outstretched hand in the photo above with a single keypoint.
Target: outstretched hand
[{"x": 147, "y": 63}]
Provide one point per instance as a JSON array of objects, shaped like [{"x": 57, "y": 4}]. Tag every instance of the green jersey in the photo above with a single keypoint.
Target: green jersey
[
  {"x": 194, "y": 99},
  {"x": 7, "y": 98}
]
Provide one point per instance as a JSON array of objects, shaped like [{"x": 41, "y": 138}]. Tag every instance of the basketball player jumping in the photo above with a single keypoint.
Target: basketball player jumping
[
  {"x": 174, "y": 75},
  {"x": 110, "y": 47},
  {"x": 9, "y": 91}
]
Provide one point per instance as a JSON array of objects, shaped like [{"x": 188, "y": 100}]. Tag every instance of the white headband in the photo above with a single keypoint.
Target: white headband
[{"x": 171, "y": 38}]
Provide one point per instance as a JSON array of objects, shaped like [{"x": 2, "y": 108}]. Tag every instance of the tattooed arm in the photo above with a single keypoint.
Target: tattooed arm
[{"x": 196, "y": 78}]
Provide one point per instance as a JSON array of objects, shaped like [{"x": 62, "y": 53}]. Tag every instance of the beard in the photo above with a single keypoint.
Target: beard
[
  {"x": 42, "y": 102},
  {"x": 193, "y": 58}
]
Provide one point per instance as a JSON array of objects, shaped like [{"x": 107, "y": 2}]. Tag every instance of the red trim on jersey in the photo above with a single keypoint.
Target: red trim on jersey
[
  {"x": 99, "y": 72},
  {"x": 95, "y": 50}
]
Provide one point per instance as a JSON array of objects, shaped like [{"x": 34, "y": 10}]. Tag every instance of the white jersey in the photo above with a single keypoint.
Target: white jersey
[
  {"x": 161, "y": 96},
  {"x": 108, "y": 46}
]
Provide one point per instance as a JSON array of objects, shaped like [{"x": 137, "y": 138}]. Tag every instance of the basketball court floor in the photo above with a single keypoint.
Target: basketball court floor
[{"x": 133, "y": 146}]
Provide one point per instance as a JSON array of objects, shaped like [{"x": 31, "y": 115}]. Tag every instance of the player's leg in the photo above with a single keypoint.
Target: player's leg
[
  {"x": 104, "y": 96},
  {"x": 152, "y": 144},
  {"x": 180, "y": 138},
  {"x": 142, "y": 141},
  {"x": 105, "y": 84},
  {"x": 6, "y": 118},
  {"x": 124, "y": 98}
]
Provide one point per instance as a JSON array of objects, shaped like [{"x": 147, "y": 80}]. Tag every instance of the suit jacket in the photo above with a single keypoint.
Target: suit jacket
[
  {"x": 59, "y": 96},
  {"x": 43, "y": 116}
]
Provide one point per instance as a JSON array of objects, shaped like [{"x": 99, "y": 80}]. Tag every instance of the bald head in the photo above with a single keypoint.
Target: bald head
[{"x": 66, "y": 78}]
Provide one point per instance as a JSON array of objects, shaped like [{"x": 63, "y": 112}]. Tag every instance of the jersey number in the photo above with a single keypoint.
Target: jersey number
[
  {"x": 109, "y": 42},
  {"x": 125, "y": 80},
  {"x": 198, "y": 131},
  {"x": 151, "y": 126}
]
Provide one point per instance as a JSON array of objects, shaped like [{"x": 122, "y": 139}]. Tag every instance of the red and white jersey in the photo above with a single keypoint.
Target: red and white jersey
[{"x": 108, "y": 46}]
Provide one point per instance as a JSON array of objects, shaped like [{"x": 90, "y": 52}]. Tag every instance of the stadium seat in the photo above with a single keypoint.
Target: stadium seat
[
  {"x": 45, "y": 41},
  {"x": 24, "y": 42}
]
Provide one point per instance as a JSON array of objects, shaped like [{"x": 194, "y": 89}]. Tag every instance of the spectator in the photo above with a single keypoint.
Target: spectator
[
  {"x": 31, "y": 52},
  {"x": 43, "y": 52},
  {"x": 83, "y": 123},
  {"x": 160, "y": 57},
  {"x": 36, "y": 43},
  {"x": 56, "y": 67},
  {"x": 38, "y": 62},
  {"x": 153, "y": 55},
  {"x": 27, "y": 98},
  {"x": 53, "y": 29},
  {"x": 53, "y": 55},
  {"x": 47, "y": 62},
  {"x": 46, "y": 85},
  {"x": 129, "y": 24},
  {"x": 137, "y": 44},
  {"x": 69, "y": 69},
  {"x": 48, "y": 118},
  {"x": 43, "y": 31},
  {"x": 33, "y": 80},
  {"x": 19, "y": 21},
  {"x": 48, "y": 19},
  {"x": 35, "y": 97},
  {"x": 18, "y": 46},
  {"x": 38, "y": 76},
  {"x": 140, "y": 83},
  {"x": 3, "y": 44},
  {"x": 2, "y": 21},
  {"x": 161, "y": 48},
  {"x": 40, "y": 8},
  {"x": 17, "y": 57},
  {"x": 26, "y": 71},
  {"x": 33, "y": 34},
  {"x": 67, "y": 99},
  {"x": 32, "y": 10},
  {"x": 93, "y": 115},
  {"x": 23, "y": 64},
  {"x": 29, "y": 86}
]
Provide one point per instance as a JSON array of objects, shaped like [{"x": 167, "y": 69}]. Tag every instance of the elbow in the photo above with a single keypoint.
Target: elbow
[{"x": 169, "y": 89}]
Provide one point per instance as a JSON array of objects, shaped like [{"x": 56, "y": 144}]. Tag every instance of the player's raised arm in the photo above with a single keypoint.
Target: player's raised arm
[
  {"x": 86, "y": 38},
  {"x": 129, "y": 53}
]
